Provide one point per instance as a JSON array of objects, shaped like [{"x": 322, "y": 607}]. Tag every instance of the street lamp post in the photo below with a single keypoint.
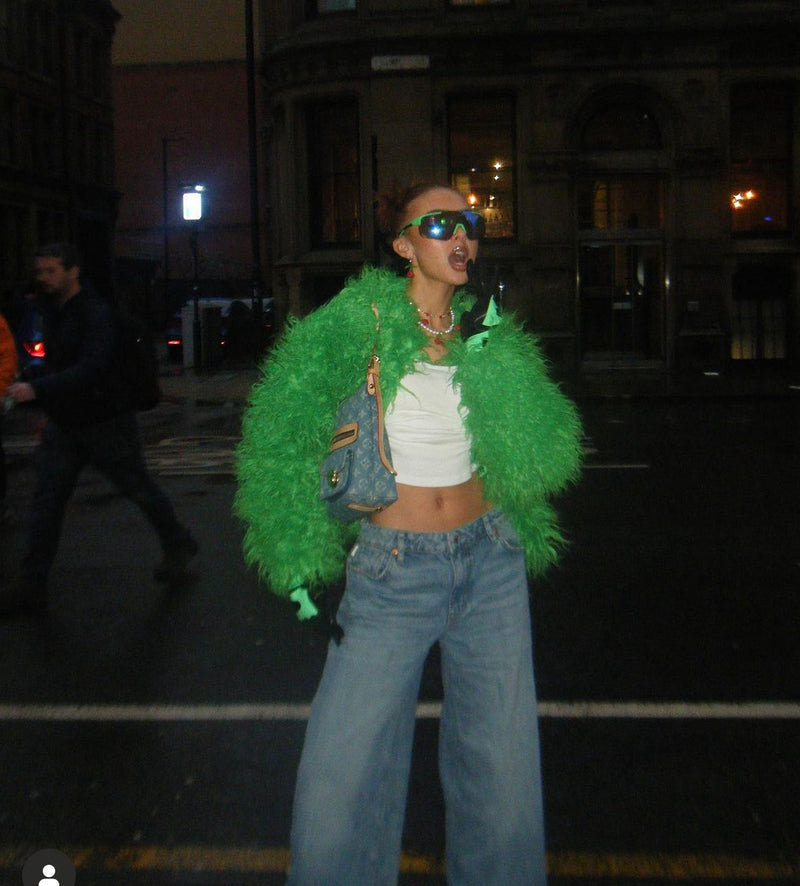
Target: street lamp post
[
  {"x": 193, "y": 212},
  {"x": 257, "y": 298},
  {"x": 165, "y": 142}
]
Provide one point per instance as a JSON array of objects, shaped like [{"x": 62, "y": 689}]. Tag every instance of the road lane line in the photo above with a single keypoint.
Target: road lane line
[
  {"x": 557, "y": 710},
  {"x": 589, "y": 866},
  {"x": 633, "y": 466}
]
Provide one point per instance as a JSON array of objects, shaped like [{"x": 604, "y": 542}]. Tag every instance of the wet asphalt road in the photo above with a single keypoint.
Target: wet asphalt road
[{"x": 153, "y": 736}]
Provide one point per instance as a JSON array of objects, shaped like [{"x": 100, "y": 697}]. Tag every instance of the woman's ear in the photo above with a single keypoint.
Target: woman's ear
[{"x": 403, "y": 248}]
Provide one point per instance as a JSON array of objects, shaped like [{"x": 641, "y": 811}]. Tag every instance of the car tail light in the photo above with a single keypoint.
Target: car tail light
[{"x": 34, "y": 349}]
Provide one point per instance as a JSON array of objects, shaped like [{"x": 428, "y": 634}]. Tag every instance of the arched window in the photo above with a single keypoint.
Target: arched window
[{"x": 621, "y": 126}]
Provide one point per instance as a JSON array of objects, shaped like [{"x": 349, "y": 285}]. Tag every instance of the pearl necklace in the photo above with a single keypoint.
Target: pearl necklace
[{"x": 425, "y": 322}]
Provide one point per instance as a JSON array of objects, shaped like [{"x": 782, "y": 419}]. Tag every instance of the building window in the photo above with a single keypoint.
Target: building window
[
  {"x": 620, "y": 203},
  {"x": 481, "y": 135},
  {"x": 98, "y": 63},
  {"x": 12, "y": 230},
  {"x": 8, "y": 154},
  {"x": 620, "y": 234},
  {"x": 761, "y": 297},
  {"x": 761, "y": 137},
  {"x": 42, "y": 43},
  {"x": 624, "y": 126},
  {"x": 334, "y": 186},
  {"x": 6, "y": 33}
]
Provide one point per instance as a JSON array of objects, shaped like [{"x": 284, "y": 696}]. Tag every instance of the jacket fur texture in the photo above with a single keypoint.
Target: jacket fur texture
[{"x": 525, "y": 434}]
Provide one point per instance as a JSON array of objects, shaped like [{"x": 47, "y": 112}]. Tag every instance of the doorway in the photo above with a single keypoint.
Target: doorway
[{"x": 621, "y": 296}]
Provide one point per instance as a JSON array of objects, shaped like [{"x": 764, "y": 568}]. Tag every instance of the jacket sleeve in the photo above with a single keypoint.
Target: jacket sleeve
[
  {"x": 526, "y": 436},
  {"x": 286, "y": 430}
]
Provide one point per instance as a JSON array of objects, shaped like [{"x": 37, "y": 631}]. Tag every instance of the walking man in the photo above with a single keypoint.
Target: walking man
[{"x": 90, "y": 421}]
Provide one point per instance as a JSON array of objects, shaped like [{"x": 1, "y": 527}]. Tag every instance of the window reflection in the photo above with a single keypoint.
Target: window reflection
[
  {"x": 761, "y": 128},
  {"x": 334, "y": 184},
  {"x": 481, "y": 146},
  {"x": 620, "y": 203}
]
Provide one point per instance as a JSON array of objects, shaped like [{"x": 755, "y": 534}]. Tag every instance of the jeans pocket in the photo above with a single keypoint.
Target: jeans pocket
[
  {"x": 371, "y": 562},
  {"x": 503, "y": 533}
]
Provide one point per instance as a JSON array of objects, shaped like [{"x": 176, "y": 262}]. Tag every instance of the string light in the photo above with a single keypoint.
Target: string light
[{"x": 739, "y": 200}]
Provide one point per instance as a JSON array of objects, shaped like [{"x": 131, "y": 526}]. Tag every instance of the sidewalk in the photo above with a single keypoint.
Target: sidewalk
[
  {"x": 216, "y": 387},
  {"x": 207, "y": 388}
]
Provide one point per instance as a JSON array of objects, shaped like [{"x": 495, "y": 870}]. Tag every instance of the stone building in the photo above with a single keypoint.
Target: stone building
[
  {"x": 56, "y": 135},
  {"x": 636, "y": 160}
]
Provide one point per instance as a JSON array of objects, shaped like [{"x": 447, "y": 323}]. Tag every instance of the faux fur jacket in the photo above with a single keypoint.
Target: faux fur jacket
[{"x": 525, "y": 433}]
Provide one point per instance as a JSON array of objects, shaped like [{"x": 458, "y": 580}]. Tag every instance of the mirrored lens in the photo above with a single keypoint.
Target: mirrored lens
[{"x": 442, "y": 225}]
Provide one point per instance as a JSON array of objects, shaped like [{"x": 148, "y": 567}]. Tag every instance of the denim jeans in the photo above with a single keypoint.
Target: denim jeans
[
  {"x": 467, "y": 590},
  {"x": 113, "y": 448}
]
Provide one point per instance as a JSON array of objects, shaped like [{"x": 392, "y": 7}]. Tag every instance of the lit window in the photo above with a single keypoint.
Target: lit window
[
  {"x": 620, "y": 203},
  {"x": 761, "y": 133},
  {"x": 481, "y": 152},
  {"x": 334, "y": 187}
]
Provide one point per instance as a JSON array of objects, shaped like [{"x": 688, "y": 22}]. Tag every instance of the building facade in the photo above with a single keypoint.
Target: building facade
[
  {"x": 637, "y": 162},
  {"x": 56, "y": 135}
]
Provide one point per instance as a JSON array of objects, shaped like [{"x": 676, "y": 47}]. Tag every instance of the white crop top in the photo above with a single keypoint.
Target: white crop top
[{"x": 427, "y": 439}]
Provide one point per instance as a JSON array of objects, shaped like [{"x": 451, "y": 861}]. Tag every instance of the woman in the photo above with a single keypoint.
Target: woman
[{"x": 480, "y": 438}]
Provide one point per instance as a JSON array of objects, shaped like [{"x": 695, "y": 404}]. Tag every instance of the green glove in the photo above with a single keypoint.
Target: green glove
[
  {"x": 307, "y": 609},
  {"x": 491, "y": 318}
]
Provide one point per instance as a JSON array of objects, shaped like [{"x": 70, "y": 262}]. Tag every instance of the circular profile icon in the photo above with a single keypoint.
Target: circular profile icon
[{"x": 48, "y": 867}]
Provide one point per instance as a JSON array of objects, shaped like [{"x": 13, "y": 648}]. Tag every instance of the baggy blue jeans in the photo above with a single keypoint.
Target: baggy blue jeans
[{"x": 467, "y": 590}]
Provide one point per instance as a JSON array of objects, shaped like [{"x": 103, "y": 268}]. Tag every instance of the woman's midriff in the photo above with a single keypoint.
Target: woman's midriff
[{"x": 434, "y": 509}]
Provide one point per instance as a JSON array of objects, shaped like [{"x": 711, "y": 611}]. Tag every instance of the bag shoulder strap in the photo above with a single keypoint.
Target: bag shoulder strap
[{"x": 374, "y": 390}]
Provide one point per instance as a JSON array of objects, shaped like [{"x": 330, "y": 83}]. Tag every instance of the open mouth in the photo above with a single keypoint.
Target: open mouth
[{"x": 458, "y": 258}]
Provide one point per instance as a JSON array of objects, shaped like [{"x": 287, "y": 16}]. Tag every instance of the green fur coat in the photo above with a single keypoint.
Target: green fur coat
[{"x": 525, "y": 434}]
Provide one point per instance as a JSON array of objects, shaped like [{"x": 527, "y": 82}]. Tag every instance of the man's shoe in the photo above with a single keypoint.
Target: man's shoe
[
  {"x": 176, "y": 559},
  {"x": 21, "y": 597}
]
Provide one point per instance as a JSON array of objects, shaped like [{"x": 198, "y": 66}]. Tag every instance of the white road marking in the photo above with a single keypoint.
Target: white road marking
[
  {"x": 558, "y": 710},
  {"x": 617, "y": 467}
]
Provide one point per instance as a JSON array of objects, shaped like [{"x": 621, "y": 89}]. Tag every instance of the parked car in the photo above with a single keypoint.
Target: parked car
[{"x": 236, "y": 328}]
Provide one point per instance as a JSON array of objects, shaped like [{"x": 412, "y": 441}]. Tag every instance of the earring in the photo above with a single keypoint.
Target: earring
[{"x": 409, "y": 269}]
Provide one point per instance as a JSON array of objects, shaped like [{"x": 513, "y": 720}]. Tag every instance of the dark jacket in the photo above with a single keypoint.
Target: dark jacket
[{"x": 81, "y": 385}]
